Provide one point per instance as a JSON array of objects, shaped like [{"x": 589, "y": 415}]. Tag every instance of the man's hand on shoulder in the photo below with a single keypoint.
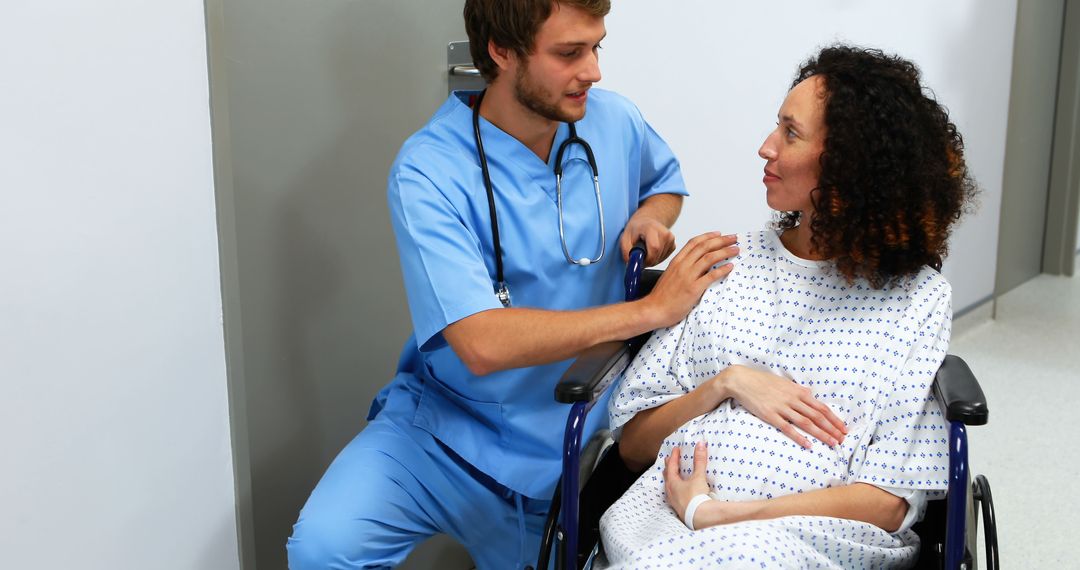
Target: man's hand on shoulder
[{"x": 690, "y": 273}]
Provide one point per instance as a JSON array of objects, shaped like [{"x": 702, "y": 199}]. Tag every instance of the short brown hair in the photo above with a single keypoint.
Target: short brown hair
[{"x": 513, "y": 24}]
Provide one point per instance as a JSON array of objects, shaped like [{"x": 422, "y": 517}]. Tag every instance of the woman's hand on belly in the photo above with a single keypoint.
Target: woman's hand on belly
[
  {"x": 783, "y": 404},
  {"x": 777, "y": 401}
]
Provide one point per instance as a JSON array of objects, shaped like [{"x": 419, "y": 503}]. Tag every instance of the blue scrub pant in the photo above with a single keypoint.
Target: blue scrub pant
[{"x": 395, "y": 485}]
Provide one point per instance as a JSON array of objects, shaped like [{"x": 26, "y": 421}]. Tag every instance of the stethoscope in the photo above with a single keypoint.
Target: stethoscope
[{"x": 501, "y": 290}]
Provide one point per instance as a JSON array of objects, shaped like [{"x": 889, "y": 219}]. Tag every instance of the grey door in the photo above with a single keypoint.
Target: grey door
[
  {"x": 1029, "y": 143},
  {"x": 311, "y": 101}
]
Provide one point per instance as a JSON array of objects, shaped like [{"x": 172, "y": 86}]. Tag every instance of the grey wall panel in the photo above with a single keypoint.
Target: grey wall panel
[
  {"x": 319, "y": 97},
  {"x": 1029, "y": 143},
  {"x": 1062, "y": 227}
]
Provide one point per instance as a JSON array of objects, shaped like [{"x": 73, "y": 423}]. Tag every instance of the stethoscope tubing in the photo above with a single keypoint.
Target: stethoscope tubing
[
  {"x": 501, "y": 289},
  {"x": 599, "y": 209},
  {"x": 500, "y": 282}
]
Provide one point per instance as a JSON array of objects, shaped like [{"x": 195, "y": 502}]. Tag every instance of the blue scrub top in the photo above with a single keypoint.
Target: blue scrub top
[{"x": 507, "y": 424}]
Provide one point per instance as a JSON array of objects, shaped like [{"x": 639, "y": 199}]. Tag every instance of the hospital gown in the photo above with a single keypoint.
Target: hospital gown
[{"x": 869, "y": 354}]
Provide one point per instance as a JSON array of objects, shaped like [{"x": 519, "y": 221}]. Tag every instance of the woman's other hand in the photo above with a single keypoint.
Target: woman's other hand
[
  {"x": 782, "y": 403},
  {"x": 679, "y": 490}
]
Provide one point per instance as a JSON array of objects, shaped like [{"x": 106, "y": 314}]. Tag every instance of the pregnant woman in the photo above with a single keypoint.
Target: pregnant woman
[{"x": 789, "y": 419}]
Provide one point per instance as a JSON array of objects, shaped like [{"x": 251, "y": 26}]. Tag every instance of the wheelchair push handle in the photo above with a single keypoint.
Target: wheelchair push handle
[{"x": 635, "y": 267}]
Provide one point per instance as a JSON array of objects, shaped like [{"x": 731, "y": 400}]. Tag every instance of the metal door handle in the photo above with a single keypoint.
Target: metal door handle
[
  {"x": 464, "y": 71},
  {"x": 461, "y": 72}
]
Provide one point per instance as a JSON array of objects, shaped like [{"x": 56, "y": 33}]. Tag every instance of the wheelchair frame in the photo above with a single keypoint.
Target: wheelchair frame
[{"x": 595, "y": 370}]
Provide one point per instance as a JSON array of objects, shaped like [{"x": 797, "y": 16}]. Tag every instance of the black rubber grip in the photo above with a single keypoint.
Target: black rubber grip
[
  {"x": 958, "y": 390},
  {"x": 587, "y": 375}
]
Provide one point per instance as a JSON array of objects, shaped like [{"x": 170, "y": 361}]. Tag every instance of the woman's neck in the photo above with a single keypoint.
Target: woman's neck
[{"x": 798, "y": 241}]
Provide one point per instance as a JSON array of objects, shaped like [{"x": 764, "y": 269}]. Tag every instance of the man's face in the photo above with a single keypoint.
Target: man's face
[{"x": 554, "y": 80}]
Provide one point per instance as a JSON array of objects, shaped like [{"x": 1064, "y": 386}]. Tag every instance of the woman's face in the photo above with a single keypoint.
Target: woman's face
[{"x": 792, "y": 150}]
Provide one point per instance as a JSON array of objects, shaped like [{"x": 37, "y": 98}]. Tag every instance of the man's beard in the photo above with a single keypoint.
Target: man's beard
[{"x": 531, "y": 96}]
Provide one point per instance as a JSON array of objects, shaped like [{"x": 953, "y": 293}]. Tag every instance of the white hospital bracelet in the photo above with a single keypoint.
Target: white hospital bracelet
[{"x": 691, "y": 508}]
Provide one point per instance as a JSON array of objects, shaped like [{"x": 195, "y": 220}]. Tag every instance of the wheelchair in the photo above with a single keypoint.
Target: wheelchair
[{"x": 593, "y": 480}]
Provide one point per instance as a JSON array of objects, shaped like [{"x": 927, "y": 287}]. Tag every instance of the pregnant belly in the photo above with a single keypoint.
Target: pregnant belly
[{"x": 749, "y": 459}]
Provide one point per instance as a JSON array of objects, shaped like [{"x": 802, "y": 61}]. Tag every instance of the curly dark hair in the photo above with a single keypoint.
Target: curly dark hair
[{"x": 893, "y": 177}]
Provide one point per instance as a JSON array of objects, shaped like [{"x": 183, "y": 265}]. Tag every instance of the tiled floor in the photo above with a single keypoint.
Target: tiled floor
[{"x": 1028, "y": 363}]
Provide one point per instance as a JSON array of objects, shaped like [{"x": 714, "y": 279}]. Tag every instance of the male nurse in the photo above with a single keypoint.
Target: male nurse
[{"x": 465, "y": 440}]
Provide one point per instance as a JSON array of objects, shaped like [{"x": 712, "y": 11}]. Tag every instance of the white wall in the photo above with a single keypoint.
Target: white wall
[
  {"x": 710, "y": 77},
  {"x": 113, "y": 410}
]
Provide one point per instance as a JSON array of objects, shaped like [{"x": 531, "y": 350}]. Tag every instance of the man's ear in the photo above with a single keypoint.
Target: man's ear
[{"x": 503, "y": 57}]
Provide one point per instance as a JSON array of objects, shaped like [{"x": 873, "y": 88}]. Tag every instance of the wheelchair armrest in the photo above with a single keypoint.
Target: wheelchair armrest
[
  {"x": 592, "y": 372},
  {"x": 958, "y": 391}
]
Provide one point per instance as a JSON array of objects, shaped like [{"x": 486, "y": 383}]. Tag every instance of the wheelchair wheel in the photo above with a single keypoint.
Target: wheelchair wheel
[{"x": 980, "y": 492}]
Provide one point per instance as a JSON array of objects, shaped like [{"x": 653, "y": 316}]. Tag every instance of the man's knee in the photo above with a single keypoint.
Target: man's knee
[
  {"x": 314, "y": 545},
  {"x": 321, "y": 543}
]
